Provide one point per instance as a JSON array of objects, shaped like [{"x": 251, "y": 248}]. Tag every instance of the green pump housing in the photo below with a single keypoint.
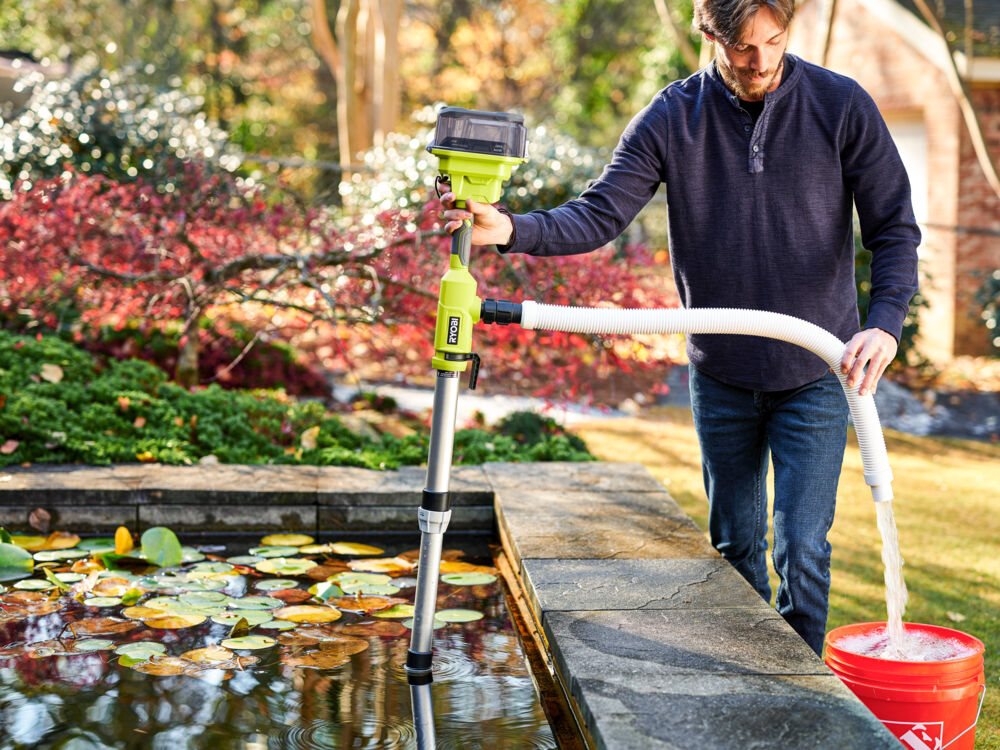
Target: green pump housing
[{"x": 477, "y": 152}]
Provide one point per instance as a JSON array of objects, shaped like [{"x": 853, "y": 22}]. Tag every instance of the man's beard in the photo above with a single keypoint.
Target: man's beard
[{"x": 748, "y": 92}]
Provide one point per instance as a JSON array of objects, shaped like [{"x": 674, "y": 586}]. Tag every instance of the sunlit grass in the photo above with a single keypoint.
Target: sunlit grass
[{"x": 947, "y": 507}]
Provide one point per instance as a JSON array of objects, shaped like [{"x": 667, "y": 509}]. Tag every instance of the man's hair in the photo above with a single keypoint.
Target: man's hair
[{"x": 725, "y": 19}]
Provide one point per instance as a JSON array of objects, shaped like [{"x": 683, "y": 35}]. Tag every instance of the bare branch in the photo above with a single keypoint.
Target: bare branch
[{"x": 678, "y": 34}]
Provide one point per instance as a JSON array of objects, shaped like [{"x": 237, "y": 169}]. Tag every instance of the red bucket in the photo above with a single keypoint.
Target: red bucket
[{"x": 927, "y": 705}]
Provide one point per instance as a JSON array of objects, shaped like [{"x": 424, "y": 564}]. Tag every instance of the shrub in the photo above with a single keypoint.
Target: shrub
[{"x": 988, "y": 299}]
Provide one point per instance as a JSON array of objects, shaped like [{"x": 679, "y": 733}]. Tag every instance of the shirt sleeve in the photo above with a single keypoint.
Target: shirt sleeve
[
  {"x": 875, "y": 174},
  {"x": 602, "y": 211}
]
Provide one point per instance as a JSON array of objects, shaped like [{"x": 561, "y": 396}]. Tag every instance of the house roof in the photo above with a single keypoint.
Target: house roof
[{"x": 985, "y": 23}]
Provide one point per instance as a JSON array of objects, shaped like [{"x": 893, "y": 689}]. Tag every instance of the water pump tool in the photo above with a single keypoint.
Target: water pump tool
[{"x": 476, "y": 151}]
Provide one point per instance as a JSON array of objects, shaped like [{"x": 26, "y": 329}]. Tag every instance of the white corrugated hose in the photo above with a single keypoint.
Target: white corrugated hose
[{"x": 770, "y": 325}]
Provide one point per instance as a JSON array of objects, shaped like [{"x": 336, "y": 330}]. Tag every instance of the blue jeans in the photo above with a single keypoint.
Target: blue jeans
[{"x": 805, "y": 431}]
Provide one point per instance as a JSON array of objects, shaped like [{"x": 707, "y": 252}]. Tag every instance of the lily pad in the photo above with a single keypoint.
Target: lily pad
[
  {"x": 326, "y": 590},
  {"x": 102, "y": 601},
  {"x": 279, "y": 625},
  {"x": 14, "y": 562},
  {"x": 409, "y": 623},
  {"x": 34, "y": 584},
  {"x": 275, "y": 551},
  {"x": 275, "y": 584},
  {"x": 249, "y": 642},
  {"x": 253, "y": 617},
  {"x": 318, "y": 660},
  {"x": 141, "y": 649},
  {"x": 370, "y": 589},
  {"x": 307, "y": 613},
  {"x": 70, "y": 577},
  {"x": 165, "y": 603},
  {"x": 161, "y": 547},
  {"x": 468, "y": 579},
  {"x": 382, "y": 565},
  {"x": 52, "y": 555},
  {"x": 458, "y": 615},
  {"x": 396, "y": 611},
  {"x": 208, "y": 655},
  {"x": 286, "y": 540},
  {"x": 97, "y": 546},
  {"x": 94, "y": 644},
  {"x": 350, "y": 578},
  {"x": 354, "y": 548},
  {"x": 191, "y": 555},
  {"x": 142, "y": 613},
  {"x": 212, "y": 567},
  {"x": 256, "y": 602},
  {"x": 285, "y": 566},
  {"x": 171, "y": 621},
  {"x": 244, "y": 559},
  {"x": 204, "y": 584},
  {"x": 204, "y": 598},
  {"x": 164, "y": 667}
]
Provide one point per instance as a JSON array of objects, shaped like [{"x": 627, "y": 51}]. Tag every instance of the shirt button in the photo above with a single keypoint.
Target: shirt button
[
  {"x": 747, "y": 128},
  {"x": 756, "y": 149}
]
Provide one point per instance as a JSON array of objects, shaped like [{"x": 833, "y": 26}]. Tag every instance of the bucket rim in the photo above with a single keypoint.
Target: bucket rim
[{"x": 967, "y": 639}]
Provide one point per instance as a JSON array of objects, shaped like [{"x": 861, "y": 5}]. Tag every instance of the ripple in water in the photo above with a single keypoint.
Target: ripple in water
[
  {"x": 448, "y": 666},
  {"x": 323, "y": 735}
]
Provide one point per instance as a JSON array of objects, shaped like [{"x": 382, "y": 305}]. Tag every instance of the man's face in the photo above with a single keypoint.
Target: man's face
[{"x": 752, "y": 67}]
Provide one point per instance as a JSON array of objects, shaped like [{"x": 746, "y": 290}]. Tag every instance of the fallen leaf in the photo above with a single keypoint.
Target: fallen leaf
[
  {"x": 139, "y": 423},
  {"x": 124, "y": 402},
  {"x": 52, "y": 373},
  {"x": 955, "y": 616},
  {"x": 9, "y": 447},
  {"x": 145, "y": 457},
  {"x": 123, "y": 541}
]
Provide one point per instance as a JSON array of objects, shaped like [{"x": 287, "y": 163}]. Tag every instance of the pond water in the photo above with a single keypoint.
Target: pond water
[{"x": 320, "y": 684}]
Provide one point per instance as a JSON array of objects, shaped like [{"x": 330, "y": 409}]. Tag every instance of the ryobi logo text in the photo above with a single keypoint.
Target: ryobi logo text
[{"x": 453, "y": 326}]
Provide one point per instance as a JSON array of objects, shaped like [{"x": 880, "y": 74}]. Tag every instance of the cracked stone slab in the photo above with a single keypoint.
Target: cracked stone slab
[
  {"x": 468, "y": 485},
  {"x": 565, "y": 476},
  {"x": 580, "y": 585},
  {"x": 636, "y": 646},
  {"x": 729, "y": 712},
  {"x": 598, "y": 525}
]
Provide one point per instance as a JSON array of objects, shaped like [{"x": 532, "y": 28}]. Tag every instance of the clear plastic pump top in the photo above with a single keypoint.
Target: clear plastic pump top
[{"x": 477, "y": 132}]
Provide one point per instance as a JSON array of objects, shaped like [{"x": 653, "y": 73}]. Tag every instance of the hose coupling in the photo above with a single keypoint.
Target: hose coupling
[{"x": 500, "y": 312}]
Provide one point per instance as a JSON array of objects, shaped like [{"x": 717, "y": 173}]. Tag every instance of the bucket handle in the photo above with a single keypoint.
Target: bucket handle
[{"x": 982, "y": 697}]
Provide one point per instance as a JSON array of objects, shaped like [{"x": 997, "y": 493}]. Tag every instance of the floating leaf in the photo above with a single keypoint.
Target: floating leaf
[
  {"x": 69, "y": 577},
  {"x": 256, "y": 602},
  {"x": 249, "y": 642},
  {"x": 468, "y": 579},
  {"x": 365, "y": 604},
  {"x": 458, "y": 615},
  {"x": 456, "y": 566},
  {"x": 350, "y": 578},
  {"x": 141, "y": 613},
  {"x": 123, "y": 541},
  {"x": 307, "y": 613},
  {"x": 174, "y": 621},
  {"x": 53, "y": 555},
  {"x": 240, "y": 628},
  {"x": 395, "y": 611},
  {"x": 34, "y": 584},
  {"x": 382, "y": 628},
  {"x": 208, "y": 655},
  {"x": 205, "y": 598},
  {"x": 102, "y": 544},
  {"x": 409, "y": 623},
  {"x": 275, "y": 584},
  {"x": 382, "y": 565},
  {"x": 373, "y": 589},
  {"x": 160, "y": 547},
  {"x": 112, "y": 586},
  {"x": 292, "y": 596},
  {"x": 30, "y": 543},
  {"x": 102, "y": 601},
  {"x": 318, "y": 660},
  {"x": 245, "y": 559},
  {"x": 354, "y": 548},
  {"x": 141, "y": 649},
  {"x": 325, "y": 590},
  {"x": 278, "y": 625},
  {"x": 191, "y": 555},
  {"x": 286, "y": 540},
  {"x": 285, "y": 566},
  {"x": 250, "y": 616},
  {"x": 212, "y": 567},
  {"x": 93, "y": 644},
  {"x": 51, "y": 373},
  {"x": 102, "y": 626},
  {"x": 327, "y": 570},
  {"x": 14, "y": 562},
  {"x": 162, "y": 667},
  {"x": 275, "y": 551},
  {"x": 131, "y": 596}
]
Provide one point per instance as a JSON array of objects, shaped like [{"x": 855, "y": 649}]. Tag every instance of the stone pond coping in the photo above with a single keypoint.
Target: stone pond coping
[{"x": 655, "y": 641}]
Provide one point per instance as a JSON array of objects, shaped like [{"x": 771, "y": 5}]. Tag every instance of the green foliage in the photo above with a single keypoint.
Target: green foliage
[
  {"x": 109, "y": 123},
  {"x": 988, "y": 298},
  {"x": 160, "y": 546},
  {"x": 58, "y": 406}
]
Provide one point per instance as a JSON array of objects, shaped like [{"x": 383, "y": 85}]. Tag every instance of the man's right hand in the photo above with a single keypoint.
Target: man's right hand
[{"x": 489, "y": 226}]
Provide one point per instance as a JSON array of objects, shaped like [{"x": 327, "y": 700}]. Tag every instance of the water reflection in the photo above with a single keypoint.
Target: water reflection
[{"x": 482, "y": 695}]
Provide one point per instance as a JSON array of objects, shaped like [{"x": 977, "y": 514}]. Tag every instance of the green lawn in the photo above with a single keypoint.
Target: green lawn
[{"x": 947, "y": 509}]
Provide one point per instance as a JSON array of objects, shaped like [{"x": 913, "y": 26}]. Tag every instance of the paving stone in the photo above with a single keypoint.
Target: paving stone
[
  {"x": 579, "y": 585},
  {"x": 392, "y": 518},
  {"x": 468, "y": 485},
  {"x": 565, "y": 476},
  {"x": 598, "y": 525},
  {"x": 639, "y": 645},
  {"x": 68, "y": 485},
  {"x": 245, "y": 518},
  {"x": 92, "y": 519},
  {"x": 231, "y": 484},
  {"x": 729, "y": 712}
]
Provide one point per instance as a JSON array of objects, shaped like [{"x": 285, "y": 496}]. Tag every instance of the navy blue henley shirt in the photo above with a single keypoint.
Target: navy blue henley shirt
[{"x": 760, "y": 215}]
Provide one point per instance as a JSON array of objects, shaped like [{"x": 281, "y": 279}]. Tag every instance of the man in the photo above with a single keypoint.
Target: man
[{"x": 763, "y": 156}]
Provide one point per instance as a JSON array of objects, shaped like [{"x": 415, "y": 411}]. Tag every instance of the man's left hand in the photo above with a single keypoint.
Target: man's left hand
[{"x": 872, "y": 348}]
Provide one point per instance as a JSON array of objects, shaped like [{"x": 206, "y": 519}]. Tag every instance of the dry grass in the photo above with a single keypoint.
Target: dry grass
[{"x": 947, "y": 509}]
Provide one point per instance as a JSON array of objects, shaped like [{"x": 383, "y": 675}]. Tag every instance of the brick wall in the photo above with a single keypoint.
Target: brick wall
[{"x": 957, "y": 250}]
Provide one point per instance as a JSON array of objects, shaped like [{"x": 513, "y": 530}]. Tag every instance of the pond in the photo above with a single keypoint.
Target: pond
[{"x": 258, "y": 646}]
